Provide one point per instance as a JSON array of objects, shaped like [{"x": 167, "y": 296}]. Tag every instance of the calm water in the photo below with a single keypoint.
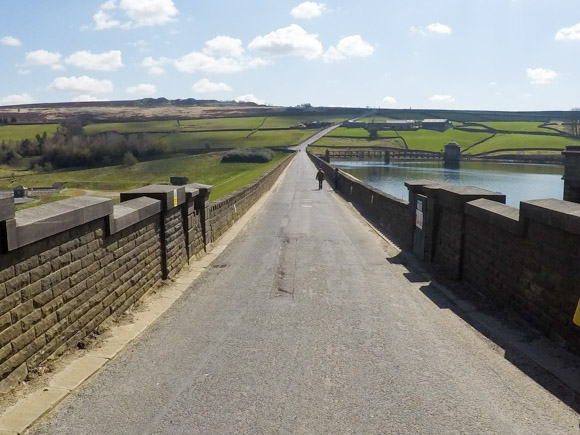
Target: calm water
[{"x": 519, "y": 182}]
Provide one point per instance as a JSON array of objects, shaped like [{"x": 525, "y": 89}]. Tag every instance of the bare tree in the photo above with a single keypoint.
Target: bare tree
[{"x": 574, "y": 122}]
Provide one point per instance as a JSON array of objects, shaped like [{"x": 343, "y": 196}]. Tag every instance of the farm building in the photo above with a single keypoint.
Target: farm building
[
  {"x": 389, "y": 124},
  {"x": 436, "y": 124}
]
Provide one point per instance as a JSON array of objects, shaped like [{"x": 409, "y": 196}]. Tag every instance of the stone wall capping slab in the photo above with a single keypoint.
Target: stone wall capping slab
[
  {"x": 557, "y": 213},
  {"x": 37, "y": 223},
  {"x": 496, "y": 213},
  {"x": 191, "y": 191},
  {"x": 170, "y": 196},
  {"x": 131, "y": 212},
  {"x": 207, "y": 187},
  {"x": 455, "y": 197}
]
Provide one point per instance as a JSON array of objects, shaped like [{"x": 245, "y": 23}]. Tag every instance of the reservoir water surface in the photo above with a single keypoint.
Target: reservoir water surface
[{"x": 519, "y": 182}]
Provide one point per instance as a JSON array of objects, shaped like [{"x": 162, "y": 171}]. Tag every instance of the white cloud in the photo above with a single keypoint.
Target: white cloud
[
  {"x": 438, "y": 28},
  {"x": 571, "y": 33},
  {"x": 16, "y": 99},
  {"x": 10, "y": 41},
  {"x": 142, "y": 89},
  {"x": 389, "y": 100},
  {"x": 44, "y": 58},
  {"x": 81, "y": 85},
  {"x": 442, "y": 29},
  {"x": 224, "y": 46},
  {"x": 249, "y": 98},
  {"x": 308, "y": 10},
  {"x": 492, "y": 84},
  {"x": 155, "y": 66},
  {"x": 541, "y": 76},
  {"x": 350, "y": 46},
  {"x": 109, "y": 61},
  {"x": 87, "y": 98},
  {"x": 204, "y": 85},
  {"x": 442, "y": 98},
  {"x": 23, "y": 71},
  {"x": 137, "y": 13},
  {"x": 197, "y": 61},
  {"x": 292, "y": 40}
]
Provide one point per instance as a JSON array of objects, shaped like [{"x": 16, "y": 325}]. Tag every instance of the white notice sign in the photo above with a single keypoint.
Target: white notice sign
[{"x": 419, "y": 220}]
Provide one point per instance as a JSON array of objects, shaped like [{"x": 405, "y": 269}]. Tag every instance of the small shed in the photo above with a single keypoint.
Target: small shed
[
  {"x": 20, "y": 192},
  {"x": 436, "y": 124}
]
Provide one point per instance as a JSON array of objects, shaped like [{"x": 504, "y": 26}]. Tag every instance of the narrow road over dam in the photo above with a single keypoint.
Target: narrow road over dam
[{"x": 306, "y": 323}]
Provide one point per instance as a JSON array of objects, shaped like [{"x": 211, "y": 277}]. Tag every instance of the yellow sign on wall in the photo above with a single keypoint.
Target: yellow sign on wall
[
  {"x": 577, "y": 315},
  {"x": 175, "y": 198}
]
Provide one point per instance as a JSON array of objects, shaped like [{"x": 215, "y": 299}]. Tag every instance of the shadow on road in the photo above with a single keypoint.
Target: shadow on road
[{"x": 504, "y": 328}]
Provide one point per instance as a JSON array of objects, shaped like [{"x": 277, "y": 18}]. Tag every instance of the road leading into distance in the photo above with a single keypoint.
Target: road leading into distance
[{"x": 302, "y": 325}]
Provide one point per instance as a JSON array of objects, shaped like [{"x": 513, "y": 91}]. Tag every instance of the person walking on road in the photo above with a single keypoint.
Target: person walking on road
[{"x": 320, "y": 178}]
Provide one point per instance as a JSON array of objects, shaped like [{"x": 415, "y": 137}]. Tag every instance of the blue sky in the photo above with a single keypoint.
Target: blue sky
[{"x": 452, "y": 54}]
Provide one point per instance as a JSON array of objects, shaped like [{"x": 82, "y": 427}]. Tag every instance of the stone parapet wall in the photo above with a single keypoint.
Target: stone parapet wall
[
  {"x": 526, "y": 259},
  {"x": 68, "y": 266},
  {"x": 175, "y": 243}
]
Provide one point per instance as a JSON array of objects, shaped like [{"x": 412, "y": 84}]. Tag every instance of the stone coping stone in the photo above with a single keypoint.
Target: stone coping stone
[
  {"x": 132, "y": 212},
  {"x": 571, "y": 149},
  {"x": 37, "y": 223},
  {"x": 455, "y": 197},
  {"x": 6, "y": 207},
  {"x": 170, "y": 196},
  {"x": 191, "y": 191},
  {"x": 497, "y": 214},
  {"x": 556, "y": 213},
  {"x": 201, "y": 187}
]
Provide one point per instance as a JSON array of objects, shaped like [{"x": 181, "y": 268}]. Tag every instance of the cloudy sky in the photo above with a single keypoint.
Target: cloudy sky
[{"x": 456, "y": 54}]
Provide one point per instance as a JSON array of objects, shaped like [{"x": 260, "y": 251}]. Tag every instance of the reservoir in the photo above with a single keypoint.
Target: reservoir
[{"x": 519, "y": 182}]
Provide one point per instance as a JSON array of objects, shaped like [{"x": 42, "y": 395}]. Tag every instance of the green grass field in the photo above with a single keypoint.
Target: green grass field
[
  {"x": 21, "y": 132},
  {"x": 516, "y": 141},
  {"x": 232, "y": 139},
  {"x": 191, "y": 125},
  {"x": 515, "y": 126},
  {"x": 206, "y": 169},
  {"x": 360, "y": 133},
  {"x": 435, "y": 141},
  {"x": 330, "y": 142}
]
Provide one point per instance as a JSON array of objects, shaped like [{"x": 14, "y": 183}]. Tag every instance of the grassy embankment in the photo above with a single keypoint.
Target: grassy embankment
[{"x": 206, "y": 169}]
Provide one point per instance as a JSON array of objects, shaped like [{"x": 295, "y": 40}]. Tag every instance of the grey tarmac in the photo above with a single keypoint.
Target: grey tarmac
[{"x": 303, "y": 325}]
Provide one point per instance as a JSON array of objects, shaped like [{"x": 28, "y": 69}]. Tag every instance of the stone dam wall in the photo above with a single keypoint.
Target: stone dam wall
[
  {"x": 68, "y": 266},
  {"x": 526, "y": 259}
]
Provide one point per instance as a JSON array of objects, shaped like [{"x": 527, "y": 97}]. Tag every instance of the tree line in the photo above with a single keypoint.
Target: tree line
[{"x": 71, "y": 147}]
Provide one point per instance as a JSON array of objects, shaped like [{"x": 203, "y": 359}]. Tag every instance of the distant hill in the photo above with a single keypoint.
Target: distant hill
[{"x": 147, "y": 109}]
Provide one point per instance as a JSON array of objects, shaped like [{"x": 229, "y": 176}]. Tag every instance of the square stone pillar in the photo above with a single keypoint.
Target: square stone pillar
[
  {"x": 172, "y": 228},
  {"x": 444, "y": 221},
  {"x": 572, "y": 173},
  {"x": 201, "y": 203}
]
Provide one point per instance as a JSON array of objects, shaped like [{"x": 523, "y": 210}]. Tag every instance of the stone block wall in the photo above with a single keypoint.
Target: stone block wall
[
  {"x": 56, "y": 291},
  {"x": 528, "y": 260},
  {"x": 175, "y": 243}
]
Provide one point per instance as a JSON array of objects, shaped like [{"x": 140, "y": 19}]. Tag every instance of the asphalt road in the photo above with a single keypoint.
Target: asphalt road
[{"x": 304, "y": 326}]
